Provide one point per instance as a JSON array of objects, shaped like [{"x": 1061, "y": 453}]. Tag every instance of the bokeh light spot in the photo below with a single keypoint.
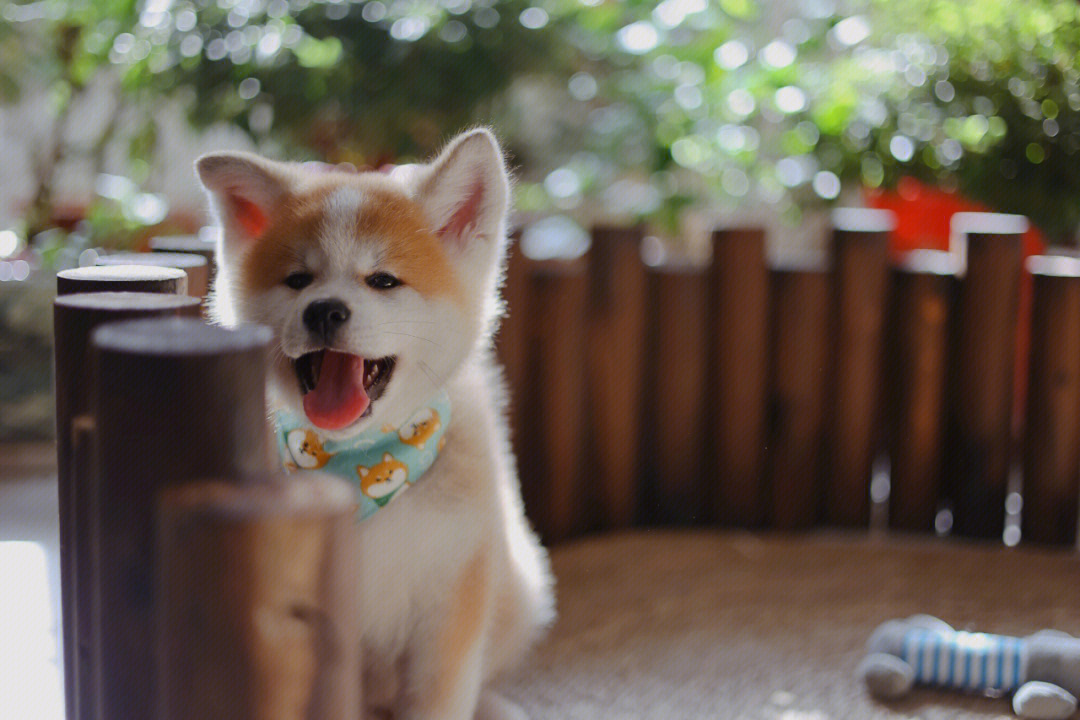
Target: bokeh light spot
[
  {"x": 533, "y": 18},
  {"x": 851, "y": 31},
  {"x": 778, "y": 54},
  {"x": 582, "y": 86},
  {"x": 638, "y": 38},
  {"x": 826, "y": 184},
  {"x": 902, "y": 148},
  {"x": 731, "y": 54},
  {"x": 741, "y": 102},
  {"x": 790, "y": 99}
]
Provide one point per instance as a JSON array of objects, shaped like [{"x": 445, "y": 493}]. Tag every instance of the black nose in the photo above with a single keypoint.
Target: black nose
[{"x": 323, "y": 317}]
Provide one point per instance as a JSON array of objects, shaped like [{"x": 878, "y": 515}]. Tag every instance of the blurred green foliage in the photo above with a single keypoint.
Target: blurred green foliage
[
  {"x": 625, "y": 109},
  {"x": 724, "y": 103},
  {"x": 989, "y": 94}
]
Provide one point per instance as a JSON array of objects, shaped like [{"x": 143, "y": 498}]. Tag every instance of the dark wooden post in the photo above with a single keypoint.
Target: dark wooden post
[
  {"x": 860, "y": 256},
  {"x": 74, "y": 318},
  {"x": 175, "y": 401},
  {"x": 675, "y": 372},
  {"x": 558, "y": 320},
  {"x": 923, "y": 288},
  {"x": 258, "y": 591},
  {"x": 121, "y": 278},
  {"x": 196, "y": 244},
  {"x": 981, "y": 383},
  {"x": 196, "y": 267},
  {"x": 516, "y": 353},
  {"x": 1052, "y": 440},
  {"x": 616, "y": 339},
  {"x": 800, "y": 332},
  {"x": 738, "y": 374}
]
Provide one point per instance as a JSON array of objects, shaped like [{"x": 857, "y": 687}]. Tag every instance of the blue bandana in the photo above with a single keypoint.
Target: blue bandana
[{"x": 382, "y": 461}]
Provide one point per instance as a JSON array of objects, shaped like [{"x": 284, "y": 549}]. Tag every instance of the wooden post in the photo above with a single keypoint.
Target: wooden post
[
  {"x": 121, "y": 278},
  {"x": 516, "y": 353},
  {"x": 258, "y": 601},
  {"x": 74, "y": 318},
  {"x": 615, "y": 341},
  {"x": 675, "y": 375},
  {"x": 175, "y": 401},
  {"x": 739, "y": 374},
  {"x": 558, "y": 319},
  {"x": 1052, "y": 440},
  {"x": 923, "y": 288},
  {"x": 800, "y": 330},
  {"x": 196, "y": 267},
  {"x": 860, "y": 252},
  {"x": 196, "y": 244},
  {"x": 981, "y": 383}
]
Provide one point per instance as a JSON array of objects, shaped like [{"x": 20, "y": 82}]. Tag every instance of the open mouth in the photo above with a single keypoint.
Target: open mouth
[{"x": 338, "y": 388}]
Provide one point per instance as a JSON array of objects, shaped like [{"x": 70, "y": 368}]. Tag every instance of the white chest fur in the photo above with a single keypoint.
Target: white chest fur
[{"x": 415, "y": 549}]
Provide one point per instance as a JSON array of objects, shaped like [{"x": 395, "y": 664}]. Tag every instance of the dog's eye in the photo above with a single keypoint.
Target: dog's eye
[
  {"x": 382, "y": 281},
  {"x": 299, "y": 281}
]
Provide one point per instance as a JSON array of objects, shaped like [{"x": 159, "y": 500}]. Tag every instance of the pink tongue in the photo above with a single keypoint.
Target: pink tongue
[{"x": 339, "y": 398}]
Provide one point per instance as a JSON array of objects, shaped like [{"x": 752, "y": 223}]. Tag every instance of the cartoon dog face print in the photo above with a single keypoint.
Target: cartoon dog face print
[
  {"x": 379, "y": 482},
  {"x": 420, "y": 428},
  {"x": 306, "y": 449}
]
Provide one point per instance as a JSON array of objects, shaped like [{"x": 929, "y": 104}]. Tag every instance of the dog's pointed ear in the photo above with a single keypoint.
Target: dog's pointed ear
[
  {"x": 465, "y": 191},
  {"x": 244, "y": 190}
]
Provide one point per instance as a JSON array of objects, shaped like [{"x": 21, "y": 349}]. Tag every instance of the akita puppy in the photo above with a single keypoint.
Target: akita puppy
[{"x": 383, "y": 293}]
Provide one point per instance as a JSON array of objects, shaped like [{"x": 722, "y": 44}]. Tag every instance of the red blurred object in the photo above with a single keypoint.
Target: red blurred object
[{"x": 923, "y": 213}]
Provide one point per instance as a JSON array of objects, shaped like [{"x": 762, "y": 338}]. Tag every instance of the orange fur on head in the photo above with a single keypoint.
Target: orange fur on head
[{"x": 409, "y": 249}]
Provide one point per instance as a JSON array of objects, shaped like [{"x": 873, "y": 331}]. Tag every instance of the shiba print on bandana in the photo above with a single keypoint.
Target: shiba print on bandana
[{"x": 382, "y": 461}]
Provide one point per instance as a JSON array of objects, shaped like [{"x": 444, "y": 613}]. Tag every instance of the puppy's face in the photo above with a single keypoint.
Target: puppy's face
[{"x": 378, "y": 287}]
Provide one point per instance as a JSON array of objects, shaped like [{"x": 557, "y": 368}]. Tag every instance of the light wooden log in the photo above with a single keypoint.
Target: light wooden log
[
  {"x": 923, "y": 291},
  {"x": 175, "y": 401},
  {"x": 979, "y": 443},
  {"x": 739, "y": 375},
  {"x": 615, "y": 345},
  {"x": 74, "y": 318},
  {"x": 1052, "y": 439},
  {"x": 860, "y": 261},
  {"x": 258, "y": 601},
  {"x": 800, "y": 371},
  {"x": 121, "y": 278},
  {"x": 196, "y": 266},
  {"x": 675, "y": 375},
  {"x": 200, "y": 244}
]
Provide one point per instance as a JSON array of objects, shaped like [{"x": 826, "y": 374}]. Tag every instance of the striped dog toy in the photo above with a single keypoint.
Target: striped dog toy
[{"x": 1041, "y": 670}]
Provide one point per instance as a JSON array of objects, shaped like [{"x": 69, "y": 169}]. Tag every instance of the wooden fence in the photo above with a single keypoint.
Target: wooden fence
[
  {"x": 760, "y": 393},
  {"x": 743, "y": 393}
]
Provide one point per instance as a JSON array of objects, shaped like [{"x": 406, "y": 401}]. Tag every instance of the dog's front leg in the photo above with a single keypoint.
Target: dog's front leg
[{"x": 445, "y": 657}]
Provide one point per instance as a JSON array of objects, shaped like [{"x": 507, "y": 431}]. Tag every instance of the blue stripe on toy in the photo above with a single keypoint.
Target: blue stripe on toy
[
  {"x": 934, "y": 648},
  {"x": 913, "y": 653},
  {"x": 968, "y": 652},
  {"x": 1018, "y": 653},
  {"x": 1000, "y": 682},
  {"x": 974, "y": 661}
]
